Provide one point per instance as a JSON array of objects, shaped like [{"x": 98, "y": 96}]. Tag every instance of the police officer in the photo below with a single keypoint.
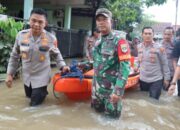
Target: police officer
[
  {"x": 111, "y": 56},
  {"x": 153, "y": 65},
  {"x": 34, "y": 47},
  {"x": 168, "y": 45},
  {"x": 172, "y": 87}
]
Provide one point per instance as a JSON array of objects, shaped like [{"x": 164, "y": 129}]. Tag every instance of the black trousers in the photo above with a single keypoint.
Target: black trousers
[
  {"x": 178, "y": 85},
  {"x": 154, "y": 88},
  {"x": 37, "y": 95}
]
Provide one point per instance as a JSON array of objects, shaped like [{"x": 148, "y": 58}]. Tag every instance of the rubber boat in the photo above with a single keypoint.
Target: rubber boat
[{"x": 76, "y": 89}]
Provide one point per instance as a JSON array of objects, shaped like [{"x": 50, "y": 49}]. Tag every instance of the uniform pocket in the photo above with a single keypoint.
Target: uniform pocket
[
  {"x": 43, "y": 50},
  {"x": 107, "y": 52},
  {"x": 24, "y": 49}
]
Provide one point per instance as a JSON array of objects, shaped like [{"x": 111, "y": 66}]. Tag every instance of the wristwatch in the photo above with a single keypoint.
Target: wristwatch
[{"x": 172, "y": 83}]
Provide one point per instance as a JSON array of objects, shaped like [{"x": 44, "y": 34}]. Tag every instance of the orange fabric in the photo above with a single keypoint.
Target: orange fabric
[{"x": 123, "y": 50}]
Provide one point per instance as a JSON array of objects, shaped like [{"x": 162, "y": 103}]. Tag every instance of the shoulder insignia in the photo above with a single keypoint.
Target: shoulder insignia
[{"x": 123, "y": 50}]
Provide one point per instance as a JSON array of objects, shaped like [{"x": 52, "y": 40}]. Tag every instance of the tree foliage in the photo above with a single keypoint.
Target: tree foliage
[
  {"x": 2, "y": 9},
  {"x": 154, "y": 2},
  {"x": 128, "y": 12},
  {"x": 146, "y": 21},
  {"x": 8, "y": 31}
]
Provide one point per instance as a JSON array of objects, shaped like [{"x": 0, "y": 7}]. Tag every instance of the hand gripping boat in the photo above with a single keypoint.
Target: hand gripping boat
[{"x": 78, "y": 86}]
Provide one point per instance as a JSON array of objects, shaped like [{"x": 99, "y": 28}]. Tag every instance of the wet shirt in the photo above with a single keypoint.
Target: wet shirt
[
  {"x": 111, "y": 63},
  {"x": 153, "y": 63},
  {"x": 169, "y": 49},
  {"x": 35, "y": 57}
]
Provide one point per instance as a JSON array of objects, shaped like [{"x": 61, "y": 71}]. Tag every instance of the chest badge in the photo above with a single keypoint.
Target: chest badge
[
  {"x": 42, "y": 57},
  {"x": 124, "y": 48},
  {"x": 24, "y": 55}
]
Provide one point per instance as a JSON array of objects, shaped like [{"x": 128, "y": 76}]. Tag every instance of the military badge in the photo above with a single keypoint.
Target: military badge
[{"x": 124, "y": 48}]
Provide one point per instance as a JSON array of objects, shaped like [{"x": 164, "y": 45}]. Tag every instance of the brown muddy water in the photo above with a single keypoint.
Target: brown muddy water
[{"x": 139, "y": 112}]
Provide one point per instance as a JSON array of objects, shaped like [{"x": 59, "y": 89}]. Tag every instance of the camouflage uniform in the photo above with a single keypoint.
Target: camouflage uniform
[{"x": 111, "y": 56}]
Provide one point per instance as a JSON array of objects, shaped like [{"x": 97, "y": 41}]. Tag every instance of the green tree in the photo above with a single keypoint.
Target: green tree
[
  {"x": 146, "y": 21},
  {"x": 8, "y": 31},
  {"x": 2, "y": 9},
  {"x": 126, "y": 12},
  {"x": 154, "y": 2}
]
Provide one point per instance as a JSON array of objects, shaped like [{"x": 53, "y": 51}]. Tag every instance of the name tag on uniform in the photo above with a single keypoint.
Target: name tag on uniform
[
  {"x": 43, "y": 48},
  {"x": 24, "y": 47}
]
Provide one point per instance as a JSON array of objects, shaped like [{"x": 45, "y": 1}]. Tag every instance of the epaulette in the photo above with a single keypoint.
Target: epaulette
[
  {"x": 119, "y": 34},
  {"x": 50, "y": 35},
  {"x": 24, "y": 31}
]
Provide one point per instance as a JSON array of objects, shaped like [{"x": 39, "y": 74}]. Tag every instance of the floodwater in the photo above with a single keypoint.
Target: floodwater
[{"x": 139, "y": 112}]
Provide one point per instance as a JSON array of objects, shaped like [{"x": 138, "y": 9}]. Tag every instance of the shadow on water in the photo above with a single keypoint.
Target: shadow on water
[{"x": 139, "y": 112}]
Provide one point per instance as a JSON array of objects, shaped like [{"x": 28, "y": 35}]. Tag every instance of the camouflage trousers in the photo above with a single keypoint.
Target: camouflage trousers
[{"x": 101, "y": 103}]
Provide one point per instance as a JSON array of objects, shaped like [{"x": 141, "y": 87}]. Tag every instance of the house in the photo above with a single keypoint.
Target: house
[
  {"x": 159, "y": 28},
  {"x": 68, "y": 14},
  {"x": 70, "y": 19}
]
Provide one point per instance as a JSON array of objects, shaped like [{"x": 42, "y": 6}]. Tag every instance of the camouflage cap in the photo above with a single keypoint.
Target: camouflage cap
[{"x": 105, "y": 12}]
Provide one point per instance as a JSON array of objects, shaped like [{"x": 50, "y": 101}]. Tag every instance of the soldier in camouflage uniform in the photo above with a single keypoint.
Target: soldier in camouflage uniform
[
  {"x": 34, "y": 47},
  {"x": 154, "y": 70},
  {"x": 111, "y": 56}
]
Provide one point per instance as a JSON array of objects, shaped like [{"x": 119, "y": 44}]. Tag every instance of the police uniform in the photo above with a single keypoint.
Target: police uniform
[
  {"x": 169, "y": 46},
  {"x": 169, "y": 49},
  {"x": 176, "y": 55},
  {"x": 111, "y": 56},
  {"x": 153, "y": 68},
  {"x": 35, "y": 55}
]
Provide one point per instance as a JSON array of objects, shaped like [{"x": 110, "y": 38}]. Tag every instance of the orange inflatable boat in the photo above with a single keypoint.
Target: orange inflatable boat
[{"x": 75, "y": 89}]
